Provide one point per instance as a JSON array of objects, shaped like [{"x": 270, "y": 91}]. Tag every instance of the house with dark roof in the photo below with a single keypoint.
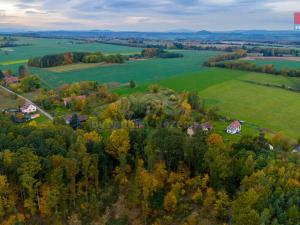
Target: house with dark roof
[
  {"x": 81, "y": 118},
  {"x": 234, "y": 128}
]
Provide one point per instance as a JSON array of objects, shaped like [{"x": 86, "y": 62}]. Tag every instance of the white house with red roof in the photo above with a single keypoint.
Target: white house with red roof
[{"x": 234, "y": 128}]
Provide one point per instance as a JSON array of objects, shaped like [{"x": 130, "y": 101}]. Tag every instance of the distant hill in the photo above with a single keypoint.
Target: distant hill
[{"x": 237, "y": 35}]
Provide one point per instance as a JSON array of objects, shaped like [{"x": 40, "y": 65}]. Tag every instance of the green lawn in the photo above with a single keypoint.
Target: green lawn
[{"x": 267, "y": 107}]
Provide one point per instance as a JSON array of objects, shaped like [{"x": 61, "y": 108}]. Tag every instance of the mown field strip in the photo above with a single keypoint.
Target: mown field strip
[{"x": 8, "y": 63}]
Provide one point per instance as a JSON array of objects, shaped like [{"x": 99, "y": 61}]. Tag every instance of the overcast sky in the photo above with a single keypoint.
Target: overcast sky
[{"x": 148, "y": 15}]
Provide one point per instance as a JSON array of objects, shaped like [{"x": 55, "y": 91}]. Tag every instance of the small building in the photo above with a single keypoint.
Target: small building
[
  {"x": 35, "y": 116},
  {"x": 296, "y": 150},
  {"x": 234, "y": 128},
  {"x": 28, "y": 108},
  {"x": 76, "y": 98},
  {"x": 11, "y": 80},
  {"x": 81, "y": 118},
  {"x": 204, "y": 127}
]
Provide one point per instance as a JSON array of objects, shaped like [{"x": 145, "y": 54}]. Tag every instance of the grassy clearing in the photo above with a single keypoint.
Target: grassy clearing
[
  {"x": 7, "y": 101},
  {"x": 271, "y": 108},
  {"x": 8, "y": 63}
]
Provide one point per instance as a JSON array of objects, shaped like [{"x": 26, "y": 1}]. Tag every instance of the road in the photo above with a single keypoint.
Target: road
[{"x": 26, "y": 99}]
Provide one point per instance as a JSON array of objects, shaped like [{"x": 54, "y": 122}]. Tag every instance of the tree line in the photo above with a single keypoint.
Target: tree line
[
  {"x": 230, "y": 61},
  {"x": 74, "y": 57}
]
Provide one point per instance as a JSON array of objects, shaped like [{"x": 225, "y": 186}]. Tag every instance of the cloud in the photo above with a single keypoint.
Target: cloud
[
  {"x": 151, "y": 14},
  {"x": 284, "y": 6}
]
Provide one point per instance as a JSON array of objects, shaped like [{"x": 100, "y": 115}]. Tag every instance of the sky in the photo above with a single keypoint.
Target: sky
[{"x": 148, "y": 15}]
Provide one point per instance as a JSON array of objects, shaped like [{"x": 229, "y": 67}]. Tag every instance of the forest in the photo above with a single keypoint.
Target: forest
[{"x": 110, "y": 171}]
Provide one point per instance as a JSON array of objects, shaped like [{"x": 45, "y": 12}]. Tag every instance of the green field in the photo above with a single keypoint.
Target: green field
[
  {"x": 143, "y": 71},
  {"x": 44, "y": 46},
  {"x": 230, "y": 90},
  {"x": 267, "y": 107},
  {"x": 271, "y": 108},
  {"x": 279, "y": 64}
]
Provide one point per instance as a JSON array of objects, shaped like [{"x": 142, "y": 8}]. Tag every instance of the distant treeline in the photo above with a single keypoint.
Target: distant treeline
[
  {"x": 159, "y": 53},
  {"x": 230, "y": 61},
  {"x": 220, "y": 58},
  {"x": 277, "y": 52},
  {"x": 74, "y": 57},
  {"x": 247, "y": 66}
]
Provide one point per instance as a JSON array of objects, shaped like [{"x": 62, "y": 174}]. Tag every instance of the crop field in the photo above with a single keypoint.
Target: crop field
[
  {"x": 141, "y": 71},
  {"x": 44, "y": 46}
]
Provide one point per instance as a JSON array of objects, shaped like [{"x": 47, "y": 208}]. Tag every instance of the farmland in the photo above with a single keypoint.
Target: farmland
[
  {"x": 141, "y": 71},
  {"x": 44, "y": 46},
  {"x": 271, "y": 108},
  {"x": 279, "y": 62},
  {"x": 238, "y": 94}
]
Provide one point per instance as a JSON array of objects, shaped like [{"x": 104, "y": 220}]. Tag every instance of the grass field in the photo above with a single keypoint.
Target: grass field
[
  {"x": 292, "y": 82},
  {"x": 271, "y": 108},
  {"x": 279, "y": 64},
  {"x": 7, "y": 101},
  {"x": 267, "y": 107},
  {"x": 44, "y": 46},
  {"x": 143, "y": 71}
]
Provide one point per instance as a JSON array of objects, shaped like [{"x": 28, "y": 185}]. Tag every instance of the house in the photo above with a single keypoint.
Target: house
[
  {"x": 28, "y": 108},
  {"x": 296, "y": 150},
  {"x": 205, "y": 127},
  {"x": 191, "y": 131},
  {"x": 10, "y": 80},
  {"x": 76, "y": 98},
  {"x": 81, "y": 118},
  {"x": 234, "y": 128}
]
